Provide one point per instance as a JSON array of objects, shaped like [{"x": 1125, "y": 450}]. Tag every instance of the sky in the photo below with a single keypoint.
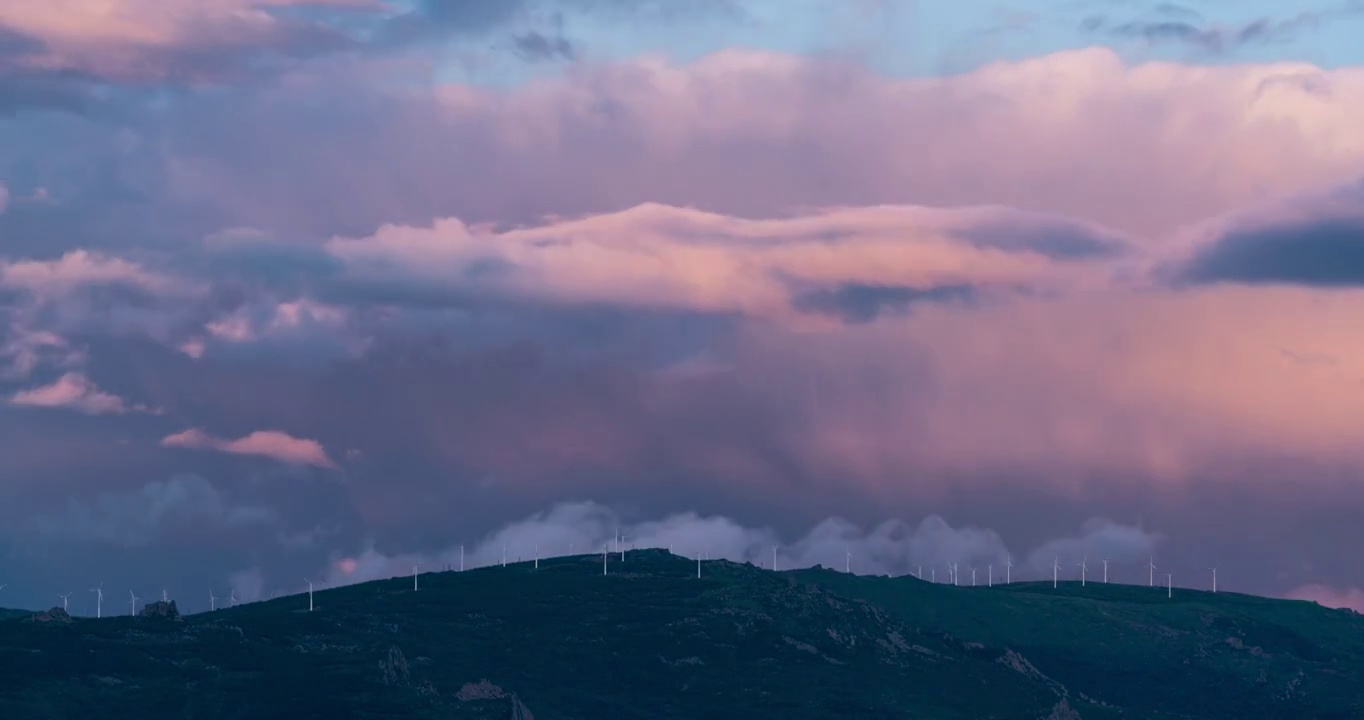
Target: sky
[{"x": 325, "y": 288}]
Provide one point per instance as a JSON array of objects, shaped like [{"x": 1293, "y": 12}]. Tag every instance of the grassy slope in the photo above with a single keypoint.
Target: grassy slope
[
  {"x": 647, "y": 641},
  {"x": 1196, "y": 654}
]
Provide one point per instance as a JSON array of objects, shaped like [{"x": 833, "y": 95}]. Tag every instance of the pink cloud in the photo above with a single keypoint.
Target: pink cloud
[
  {"x": 136, "y": 39},
  {"x": 79, "y": 268},
  {"x": 654, "y": 255},
  {"x": 263, "y": 443},
  {"x": 73, "y": 390},
  {"x": 1352, "y": 598}
]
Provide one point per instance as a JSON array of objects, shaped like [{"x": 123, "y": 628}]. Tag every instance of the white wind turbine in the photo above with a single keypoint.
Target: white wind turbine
[
  {"x": 310, "y": 593},
  {"x": 98, "y": 590},
  {"x": 990, "y": 575},
  {"x": 537, "y": 556},
  {"x": 774, "y": 558},
  {"x": 212, "y": 601},
  {"x": 1214, "y": 579},
  {"x": 607, "y": 548},
  {"x": 134, "y": 599},
  {"x": 414, "y": 575},
  {"x": 1008, "y": 570},
  {"x": 1169, "y": 586},
  {"x": 973, "y": 576},
  {"x": 461, "y": 558},
  {"x": 504, "y": 554},
  {"x": 1084, "y": 568},
  {"x": 920, "y": 574},
  {"x": 1105, "y": 571},
  {"x": 232, "y": 598},
  {"x": 847, "y": 560},
  {"x": 933, "y": 574},
  {"x": 64, "y": 598},
  {"x": 1055, "y": 571},
  {"x": 1151, "y": 572},
  {"x": 622, "y": 548},
  {"x": 163, "y": 596},
  {"x": 956, "y": 573}
]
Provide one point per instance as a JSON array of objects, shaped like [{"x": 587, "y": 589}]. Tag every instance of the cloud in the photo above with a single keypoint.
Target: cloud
[
  {"x": 1188, "y": 28},
  {"x": 750, "y": 133},
  {"x": 849, "y": 261},
  {"x": 272, "y": 444},
  {"x": 183, "y": 504},
  {"x": 1323, "y": 252},
  {"x": 893, "y": 547},
  {"x": 79, "y": 269},
  {"x": 1352, "y": 598},
  {"x": 73, "y": 390}
]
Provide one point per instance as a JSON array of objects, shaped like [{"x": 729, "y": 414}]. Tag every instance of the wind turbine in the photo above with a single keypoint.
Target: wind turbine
[
  {"x": 774, "y": 558},
  {"x": 921, "y": 572},
  {"x": 847, "y": 560},
  {"x": 98, "y": 590},
  {"x": 64, "y": 597},
  {"x": 973, "y": 576},
  {"x": 1105, "y": 571},
  {"x": 956, "y": 573},
  {"x": 1151, "y": 573},
  {"x": 414, "y": 575},
  {"x": 134, "y": 598},
  {"x": 232, "y": 598},
  {"x": 537, "y": 556},
  {"x": 606, "y": 548},
  {"x": 990, "y": 577},
  {"x": 1084, "y": 568},
  {"x": 1169, "y": 586},
  {"x": 212, "y": 601},
  {"x": 461, "y": 558},
  {"x": 1055, "y": 571},
  {"x": 932, "y": 574},
  {"x": 310, "y": 593},
  {"x": 163, "y": 596},
  {"x": 698, "y": 566},
  {"x": 504, "y": 554},
  {"x": 1214, "y": 580},
  {"x": 1008, "y": 570},
  {"x": 622, "y": 548}
]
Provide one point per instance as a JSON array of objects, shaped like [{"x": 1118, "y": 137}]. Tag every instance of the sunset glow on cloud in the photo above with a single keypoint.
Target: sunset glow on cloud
[{"x": 408, "y": 278}]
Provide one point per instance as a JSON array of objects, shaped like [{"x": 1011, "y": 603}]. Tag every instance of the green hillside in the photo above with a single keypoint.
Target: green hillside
[{"x": 650, "y": 640}]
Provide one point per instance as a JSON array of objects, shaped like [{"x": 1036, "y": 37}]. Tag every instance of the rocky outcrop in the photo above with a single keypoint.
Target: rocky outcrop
[
  {"x": 483, "y": 691},
  {"x": 160, "y": 610},
  {"x": 56, "y": 614}
]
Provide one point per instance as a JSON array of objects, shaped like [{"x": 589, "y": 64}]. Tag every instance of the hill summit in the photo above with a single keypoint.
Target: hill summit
[{"x": 651, "y": 640}]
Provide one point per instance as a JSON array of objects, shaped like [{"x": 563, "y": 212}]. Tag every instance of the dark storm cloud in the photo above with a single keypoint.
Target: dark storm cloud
[
  {"x": 860, "y": 303},
  {"x": 1185, "y": 27},
  {"x": 1322, "y": 252},
  {"x": 1057, "y": 239}
]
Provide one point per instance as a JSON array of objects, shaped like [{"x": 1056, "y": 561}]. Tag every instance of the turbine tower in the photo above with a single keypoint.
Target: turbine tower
[
  {"x": 64, "y": 597},
  {"x": 537, "y": 556},
  {"x": 1105, "y": 571},
  {"x": 607, "y": 548},
  {"x": 310, "y": 593},
  {"x": 461, "y": 558},
  {"x": 414, "y": 575},
  {"x": 1084, "y": 568},
  {"x": 1214, "y": 579},
  {"x": 212, "y": 601},
  {"x": 1055, "y": 571},
  {"x": 847, "y": 560},
  {"x": 98, "y": 590},
  {"x": 990, "y": 575},
  {"x": 774, "y": 558},
  {"x": 1169, "y": 586},
  {"x": 232, "y": 598},
  {"x": 973, "y": 576},
  {"x": 134, "y": 599},
  {"x": 1008, "y": 571},
  {"x": 1151, "y": 574}
]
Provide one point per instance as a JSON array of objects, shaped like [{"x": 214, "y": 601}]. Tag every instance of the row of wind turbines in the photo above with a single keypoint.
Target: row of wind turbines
[{"x": 618, "y": 545}]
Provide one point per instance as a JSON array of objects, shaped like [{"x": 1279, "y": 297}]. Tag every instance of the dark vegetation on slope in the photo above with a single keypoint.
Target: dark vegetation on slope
[{"x": 650, "y": 640}]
